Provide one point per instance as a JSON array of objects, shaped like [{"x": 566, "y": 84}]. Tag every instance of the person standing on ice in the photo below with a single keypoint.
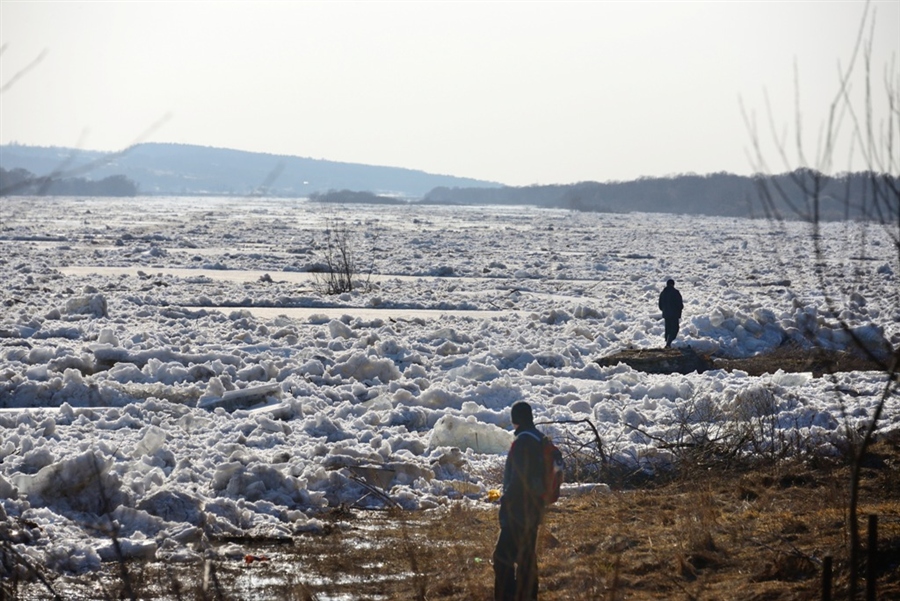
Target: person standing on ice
[
  {"x": 671, "y": 305},
  {"x": 521, "y": 509}
]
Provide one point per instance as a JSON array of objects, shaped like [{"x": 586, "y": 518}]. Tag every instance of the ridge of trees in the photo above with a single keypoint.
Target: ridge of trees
[
  {"x": 353, "y": 197},
  {"x": 22, "y": 182},
  {"x": 716, "y": 194}
]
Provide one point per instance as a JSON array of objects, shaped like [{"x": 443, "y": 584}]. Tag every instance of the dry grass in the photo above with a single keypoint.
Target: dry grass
[{"x": 757, "y": 535}]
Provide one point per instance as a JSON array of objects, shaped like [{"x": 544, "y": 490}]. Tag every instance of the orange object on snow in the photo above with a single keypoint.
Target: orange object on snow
[{"x": 251, "y": 558}]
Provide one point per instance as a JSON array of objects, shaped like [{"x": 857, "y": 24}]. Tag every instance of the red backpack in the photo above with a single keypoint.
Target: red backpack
[{"x": 553, "y": 468}]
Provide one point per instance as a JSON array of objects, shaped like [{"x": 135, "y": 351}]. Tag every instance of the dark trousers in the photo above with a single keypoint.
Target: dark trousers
[
  {"x": 671, "y": 329},
  {"x": 515, "y": 562}
]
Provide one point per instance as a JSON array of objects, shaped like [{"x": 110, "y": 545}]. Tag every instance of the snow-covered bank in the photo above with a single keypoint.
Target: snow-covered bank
[{"x": 171, "y": 403}]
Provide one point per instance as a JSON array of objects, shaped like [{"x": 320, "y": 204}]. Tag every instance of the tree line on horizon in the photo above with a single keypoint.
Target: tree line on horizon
[
  {"x": 716, "y": 194},
  {"x": 21, "y": 182}
]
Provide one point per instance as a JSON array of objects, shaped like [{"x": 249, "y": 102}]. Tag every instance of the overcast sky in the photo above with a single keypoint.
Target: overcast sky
[{"x": 513, "y": 92}]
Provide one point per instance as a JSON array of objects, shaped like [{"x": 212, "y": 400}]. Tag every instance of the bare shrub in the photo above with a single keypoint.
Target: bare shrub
[
  {"x": 343, "y": 260},
  {"x": 755, "y": 415}
]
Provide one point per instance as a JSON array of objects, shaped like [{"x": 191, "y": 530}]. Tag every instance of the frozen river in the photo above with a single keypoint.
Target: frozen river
[{"x": 184, "y": 372}]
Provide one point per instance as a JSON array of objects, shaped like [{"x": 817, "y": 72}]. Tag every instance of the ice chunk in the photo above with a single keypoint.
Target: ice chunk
[
  {"x": 339, "y": 329},
  {"x": 791, "y": 379},
  {"x": 126, "y": 548},
  {"x": 439, "y": 398},
  {"x": 534, "y": 369},
  {"x": 83, "y": 482},
  {"x": 568, "y": 490},
  {"x": 107, "y": 336},
  {"x": 242, "y": 398},
  {"x": 173, "y": 506},
  {"x": 474, "y": 371},
  {"x": 362, "y": 367},
  {"x": 452, "y": 431},
  {"x": 152, "y": 441},
  {"x": 388, "y": 475},
  {"x": 449, "y": 334},
  {"x": 258, "y": 481},
  {"x": 91, "y": 304},
  {"x": 7, "y": 490}
]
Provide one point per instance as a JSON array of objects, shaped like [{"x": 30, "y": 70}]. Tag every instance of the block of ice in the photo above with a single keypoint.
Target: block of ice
[{"x": 452, "y": 431}]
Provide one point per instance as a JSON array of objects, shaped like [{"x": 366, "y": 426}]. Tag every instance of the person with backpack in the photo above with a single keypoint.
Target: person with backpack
[{"x": 531, "y": 479}]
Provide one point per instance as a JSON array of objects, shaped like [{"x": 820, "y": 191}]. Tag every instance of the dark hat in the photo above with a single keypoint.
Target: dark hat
[
  {"x": 670, "y": 283},
  {"x": 521, "y": 414}
]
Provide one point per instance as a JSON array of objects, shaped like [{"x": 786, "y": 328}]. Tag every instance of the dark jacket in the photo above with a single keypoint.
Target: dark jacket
[
  {"x": 670, "y": 303},
  {"x": 523, "y": 477}
]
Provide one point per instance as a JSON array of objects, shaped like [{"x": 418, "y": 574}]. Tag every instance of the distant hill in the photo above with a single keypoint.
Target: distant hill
[{"x": 181, "y": 169}]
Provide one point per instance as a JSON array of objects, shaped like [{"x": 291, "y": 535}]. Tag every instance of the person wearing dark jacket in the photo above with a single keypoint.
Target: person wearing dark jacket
[
  {"x": 671, "y": 305},
  {"x": 521, "y": 510}
]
